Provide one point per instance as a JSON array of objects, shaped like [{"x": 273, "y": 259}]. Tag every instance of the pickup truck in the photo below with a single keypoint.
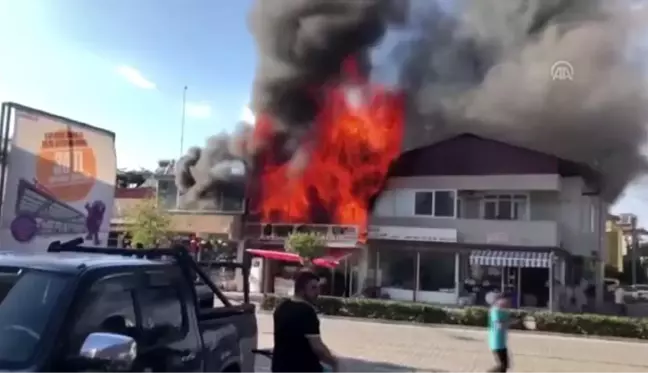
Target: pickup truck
[{"x": 77, "y": 308}]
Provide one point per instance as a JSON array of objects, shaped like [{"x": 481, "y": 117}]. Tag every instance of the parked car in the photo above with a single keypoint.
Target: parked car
[
  {"x": 636, "y": 293},
  {"x": 78, "y": 308}
]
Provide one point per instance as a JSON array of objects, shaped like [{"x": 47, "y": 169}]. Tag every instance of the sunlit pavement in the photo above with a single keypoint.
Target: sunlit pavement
[{"x": 372, "y": 346}]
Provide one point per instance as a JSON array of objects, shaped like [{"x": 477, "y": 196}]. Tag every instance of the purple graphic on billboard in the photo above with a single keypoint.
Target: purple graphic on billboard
[
  {"x": 37, "y": 212},
  {"x": 94, "y": 219}
]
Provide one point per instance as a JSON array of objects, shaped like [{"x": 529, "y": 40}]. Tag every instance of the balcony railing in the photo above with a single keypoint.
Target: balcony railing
[{"x": 334, "y": 235}]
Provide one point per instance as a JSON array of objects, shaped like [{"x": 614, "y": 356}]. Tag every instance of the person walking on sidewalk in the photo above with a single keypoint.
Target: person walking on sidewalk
[
  {"x": 298, "y": 346},
  {"x": 498, "y": 324}
]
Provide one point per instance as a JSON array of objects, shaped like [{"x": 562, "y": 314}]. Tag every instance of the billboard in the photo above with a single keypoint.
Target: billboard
[{"x": 58, "y": 181}]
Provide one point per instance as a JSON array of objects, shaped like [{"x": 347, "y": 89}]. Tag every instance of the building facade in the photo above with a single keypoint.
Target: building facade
[
  {"x": 469, "y": 215},
  {"x": 212, "y": 223},
  {"x": 221, "y": 221},
  {"x": 617, "y": 245}
]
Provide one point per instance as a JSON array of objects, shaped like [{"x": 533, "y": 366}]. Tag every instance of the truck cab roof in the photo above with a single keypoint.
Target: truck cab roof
[{"x": 69, "y": 262}]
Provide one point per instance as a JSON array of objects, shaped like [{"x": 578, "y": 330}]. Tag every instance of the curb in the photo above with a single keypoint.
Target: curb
[{"x": 476, "y": 328}]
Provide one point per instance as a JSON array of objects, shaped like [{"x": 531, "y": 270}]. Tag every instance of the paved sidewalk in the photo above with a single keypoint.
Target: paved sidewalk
[{"x": 370, "y": 346}]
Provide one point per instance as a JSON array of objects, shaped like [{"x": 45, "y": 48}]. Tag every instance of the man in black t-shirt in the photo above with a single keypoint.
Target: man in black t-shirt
[{"x": 298, "y": 346}]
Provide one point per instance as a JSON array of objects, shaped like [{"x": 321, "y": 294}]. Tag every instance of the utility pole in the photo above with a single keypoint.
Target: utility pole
[{"x": 182, "y": 122}]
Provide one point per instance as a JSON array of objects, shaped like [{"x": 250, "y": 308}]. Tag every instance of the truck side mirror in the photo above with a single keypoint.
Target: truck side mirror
[{"x": 115, "y": 352}]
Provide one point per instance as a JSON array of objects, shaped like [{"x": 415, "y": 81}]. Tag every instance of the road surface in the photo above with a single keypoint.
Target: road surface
[{"x": 374, "y": 346}]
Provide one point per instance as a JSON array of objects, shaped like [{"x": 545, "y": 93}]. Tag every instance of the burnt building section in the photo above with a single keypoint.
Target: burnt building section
[{"x": 217, "y": 218}]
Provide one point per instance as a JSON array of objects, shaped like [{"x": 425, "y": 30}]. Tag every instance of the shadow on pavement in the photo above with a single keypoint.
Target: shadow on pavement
[
  {"x": 358, "y": 365},
  {"x": 466, "y": 339},
  {"x": 352, "y": 365}
]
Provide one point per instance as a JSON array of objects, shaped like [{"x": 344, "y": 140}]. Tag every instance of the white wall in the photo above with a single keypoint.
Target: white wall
[
  {"x": 581, "y": 217},
  {"x": 395, "y": 203},
  {"x": 481, "y": 182}
]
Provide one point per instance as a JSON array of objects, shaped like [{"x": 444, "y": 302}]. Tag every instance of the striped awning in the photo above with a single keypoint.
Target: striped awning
[{"x": 500, "y": 258}]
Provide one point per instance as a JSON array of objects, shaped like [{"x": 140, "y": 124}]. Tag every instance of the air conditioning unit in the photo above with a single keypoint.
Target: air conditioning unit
[{"x": 627, "y": 219}]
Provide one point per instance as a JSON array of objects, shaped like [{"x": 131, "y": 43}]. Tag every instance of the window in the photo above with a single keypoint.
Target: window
[
  {"x": 444, "y": 204},
  {"x": 109, "y": 307},
  {"x": 167, "y": 194},
  {"x": 437, "y": 272},
  {"x": 436, "y": 203},
  {"x": 232, "y": 201},
  {"x": 397, "y": 269},
  {"x": 163, "y": 316},
  {"x": 505, "y": 207},
  {"x": 28, "y": 301},
  {"x": 424, "y": 203}
]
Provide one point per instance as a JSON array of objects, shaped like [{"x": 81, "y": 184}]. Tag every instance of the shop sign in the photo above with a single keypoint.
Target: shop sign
[{"x": 412, "y": 234}]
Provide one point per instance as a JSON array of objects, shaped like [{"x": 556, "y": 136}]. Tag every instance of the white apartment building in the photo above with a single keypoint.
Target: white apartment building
[{"x": 468, "y": 215}]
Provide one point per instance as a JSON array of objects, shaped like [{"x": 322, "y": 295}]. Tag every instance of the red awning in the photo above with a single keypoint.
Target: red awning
[
  {"x": 331, "y": 260},
  {"x": 283, "y": 256}
]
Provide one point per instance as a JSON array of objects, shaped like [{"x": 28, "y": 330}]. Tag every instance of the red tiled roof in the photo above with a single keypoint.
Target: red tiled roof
[{"x": 134, "y": 193}]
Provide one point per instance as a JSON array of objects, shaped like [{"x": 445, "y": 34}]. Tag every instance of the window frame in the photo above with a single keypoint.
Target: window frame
[
  {"x": 54, "y": 322},
  {"x": 455, "y": 193},
  {"x": 209, "y": 210},
  {"x": 83, "y": 297},
  {"x": 510, "y": 196},
  {"x": 169, "y": 283},
  {"x": 174, "y": 199}
]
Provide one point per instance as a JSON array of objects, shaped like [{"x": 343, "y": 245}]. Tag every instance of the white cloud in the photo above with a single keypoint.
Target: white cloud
[
  {"x": 198, "y": 110},
  {"x": 135, "y": 77},
  {"x": 248, "y": 116}
]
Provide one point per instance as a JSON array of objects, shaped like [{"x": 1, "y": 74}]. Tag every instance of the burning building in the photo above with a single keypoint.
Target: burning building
[{"x": 325, "y": 136}]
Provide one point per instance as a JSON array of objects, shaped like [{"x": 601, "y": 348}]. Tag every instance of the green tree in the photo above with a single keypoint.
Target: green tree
[
  {"x": 147, "y": 223},
  {"x": 308, "y": 245}
]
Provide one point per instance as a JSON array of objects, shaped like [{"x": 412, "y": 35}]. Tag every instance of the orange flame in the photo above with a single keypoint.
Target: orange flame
[{"x": 356, "y": 136}]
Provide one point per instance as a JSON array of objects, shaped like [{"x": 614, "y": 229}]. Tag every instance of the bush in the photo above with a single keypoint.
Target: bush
[{"x": 582, "y": 324}]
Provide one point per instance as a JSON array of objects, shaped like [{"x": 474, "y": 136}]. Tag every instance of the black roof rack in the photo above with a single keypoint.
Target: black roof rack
[{"x": 179, "y": 253}]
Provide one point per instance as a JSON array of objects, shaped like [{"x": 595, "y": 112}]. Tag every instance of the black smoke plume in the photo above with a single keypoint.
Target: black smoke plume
[
  {"x": 214, "y": 171},
  {"x": 484, "y": 66},
  {"x": 301, "y": 45}
]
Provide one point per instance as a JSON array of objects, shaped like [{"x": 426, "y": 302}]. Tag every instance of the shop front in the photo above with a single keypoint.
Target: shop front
[
  {"x": 430, "y": 265},
  {"x": 273, "y": 270},
  {"x": 532, "y": 279},
  {"x": 273, "y": 267},
  {"x": 414, "y": 264}
]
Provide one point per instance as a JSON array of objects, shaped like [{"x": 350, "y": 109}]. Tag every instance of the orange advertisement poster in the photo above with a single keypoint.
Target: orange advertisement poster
[{"x": 66, "y": 166}]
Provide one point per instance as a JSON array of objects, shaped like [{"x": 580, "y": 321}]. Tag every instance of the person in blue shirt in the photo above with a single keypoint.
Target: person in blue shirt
[{"x": 498, "y": 324}]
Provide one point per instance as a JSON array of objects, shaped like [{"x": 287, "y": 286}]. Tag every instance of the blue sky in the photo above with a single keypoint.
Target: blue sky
[{"x": 122, "y": 65}]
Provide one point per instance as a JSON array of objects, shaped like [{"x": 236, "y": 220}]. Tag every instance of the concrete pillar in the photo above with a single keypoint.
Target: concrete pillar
[
  {"x": 363, "y": 267},
  {"x": 238, "y": 274},
  {"x": 458, "y": 280},
  {"x": 417, "y": 279}
]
